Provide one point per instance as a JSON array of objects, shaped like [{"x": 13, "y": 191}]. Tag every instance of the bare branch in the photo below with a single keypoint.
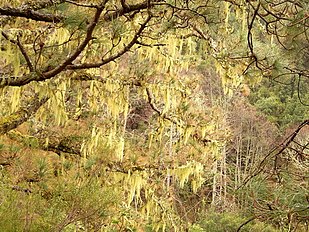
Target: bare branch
[
  {"x": 21, "y": 48},
  {"x": 124, "y": 4}
]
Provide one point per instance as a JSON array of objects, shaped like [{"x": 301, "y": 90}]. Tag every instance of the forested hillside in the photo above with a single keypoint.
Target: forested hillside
[{"x": 154, "y": 115}]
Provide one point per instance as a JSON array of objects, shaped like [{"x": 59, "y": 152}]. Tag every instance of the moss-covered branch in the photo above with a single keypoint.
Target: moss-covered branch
[
  {"x": 15, "y": 119},
  {"x": 51, "y": 141}
]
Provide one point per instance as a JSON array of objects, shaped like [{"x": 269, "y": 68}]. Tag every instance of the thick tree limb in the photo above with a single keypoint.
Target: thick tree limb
[
  {"x": 72, "y": 145},
  {"x": 22, "y": 80},
  {"x": 15, "y": 119},
  {"x": 30, "y": 14},
  {"x": 48, "y": 140},
  {"x": 30, "y": 11}
]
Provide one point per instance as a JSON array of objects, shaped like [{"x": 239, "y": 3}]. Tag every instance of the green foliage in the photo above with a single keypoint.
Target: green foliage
[
  {"x": 229, "y": 222},
  {"x": 138, "y": 133},
  {"x": 283, "y": 103},
  {"x": 284, "y": 204},
  {"x": 76, "y": 20},
  {"x": 59, "y": 207}
]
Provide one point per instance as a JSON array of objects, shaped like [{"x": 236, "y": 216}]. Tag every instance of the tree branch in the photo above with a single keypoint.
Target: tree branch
[
  {"x": 29, "y": 13},
  {"x": 115, "y": 56},
  {"x": 80, "y": 48},
  {"x": 20, "y": 81},
  {"x": 15, "y": 119},
  {"x": 126, "y": 8},
  {"x": 36, "y": 76},
  {"x": 67, "y": 64},
  {"x": 275, "y": 152},
  {"x": 56, "y": 142},
  {"x": 42, "y": 4},
  {"x": 21, "y": 48},
  {"x": 246, "y": 222}
]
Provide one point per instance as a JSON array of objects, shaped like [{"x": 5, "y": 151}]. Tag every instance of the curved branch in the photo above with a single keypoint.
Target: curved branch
[
  {"x": 246, "y": 222},
  {"x": 37, "y": 76},
  {"x": 115, "y": 56},
  {"x": 42, "y": 4},
  {"x": 79, "y": 49}
]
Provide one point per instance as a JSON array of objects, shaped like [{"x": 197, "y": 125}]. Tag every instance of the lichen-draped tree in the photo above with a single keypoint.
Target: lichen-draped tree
[{"x": 116, "y": 84}]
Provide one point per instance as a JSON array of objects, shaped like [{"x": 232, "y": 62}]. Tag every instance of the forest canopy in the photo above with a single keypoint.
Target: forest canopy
[{"x": 155, "y": 115}]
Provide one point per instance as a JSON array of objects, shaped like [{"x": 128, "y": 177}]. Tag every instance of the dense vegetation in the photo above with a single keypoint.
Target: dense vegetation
[{"x": 155, "y": 115}]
